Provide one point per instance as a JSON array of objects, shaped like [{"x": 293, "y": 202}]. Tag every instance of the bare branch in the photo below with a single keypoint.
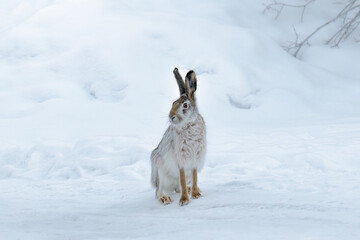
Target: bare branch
[
  {"x": 292, "y": 44},
  {"x": 350, "y": 15},
  {"x": 340, "y": 35},
  {"x": 346, "y": 30},
  {"x": 279, "y": 6}
]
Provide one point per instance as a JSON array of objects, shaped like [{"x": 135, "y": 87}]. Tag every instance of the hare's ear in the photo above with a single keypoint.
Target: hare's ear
[
  {"x": 179, "y": 81},
  {"x": 190, "y": 85}
]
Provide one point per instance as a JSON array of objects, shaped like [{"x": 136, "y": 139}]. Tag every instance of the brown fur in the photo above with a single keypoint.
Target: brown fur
[
  {"x": 184, "y": 199},
  {"x": 165, "y": 200},
  {"x": 176, "y": 105},
  {"x": 195, "y": 191}
]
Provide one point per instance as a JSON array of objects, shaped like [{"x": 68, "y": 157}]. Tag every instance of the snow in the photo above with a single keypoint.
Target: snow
[{"x": 85, "y": 90}]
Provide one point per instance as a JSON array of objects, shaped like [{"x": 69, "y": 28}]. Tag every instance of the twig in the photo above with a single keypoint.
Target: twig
[
  {"x": 279, "y": 6},
  {"x": 349, "y": 7},
  {"x": 346, "y": 30}
]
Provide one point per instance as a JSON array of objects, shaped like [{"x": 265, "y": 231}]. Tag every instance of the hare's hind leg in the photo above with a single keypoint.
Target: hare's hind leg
[
  {"x": 195, "y": 191},
  {"x": 162, "y": 197},
  {"x": 184, "y": 199},
  {"x": 160, "y": 191}
]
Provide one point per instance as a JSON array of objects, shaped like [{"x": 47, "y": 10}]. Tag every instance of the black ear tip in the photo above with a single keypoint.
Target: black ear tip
[{"x": 190, "y": 73}]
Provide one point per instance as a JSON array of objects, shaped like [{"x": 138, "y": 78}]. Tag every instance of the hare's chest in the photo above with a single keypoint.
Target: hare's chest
[{"x": 190, "y": 144}]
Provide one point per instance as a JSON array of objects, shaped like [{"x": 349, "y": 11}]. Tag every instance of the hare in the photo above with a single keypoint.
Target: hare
[{"x": 181, "y": 152}]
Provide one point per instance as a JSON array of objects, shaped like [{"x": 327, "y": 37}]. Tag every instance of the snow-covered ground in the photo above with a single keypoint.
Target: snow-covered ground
[{"x": 85, "y": 89}]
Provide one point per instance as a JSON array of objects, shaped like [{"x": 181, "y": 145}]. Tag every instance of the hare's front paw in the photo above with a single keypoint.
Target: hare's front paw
[
  {"x": 195, "y": 193},
  {"x": 184, "y": 200},
  {"x": 165, "y": 200}
]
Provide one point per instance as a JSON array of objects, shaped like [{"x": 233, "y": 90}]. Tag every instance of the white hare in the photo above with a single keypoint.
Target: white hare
[{"x": 181, "y": 152}]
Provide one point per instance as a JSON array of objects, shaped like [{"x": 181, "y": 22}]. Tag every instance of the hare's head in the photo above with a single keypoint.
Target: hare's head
[{"x": 184, "y": 108}]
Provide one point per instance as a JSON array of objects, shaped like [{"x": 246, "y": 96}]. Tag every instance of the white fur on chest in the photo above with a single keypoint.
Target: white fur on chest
[{"x": 189, "y": 145}]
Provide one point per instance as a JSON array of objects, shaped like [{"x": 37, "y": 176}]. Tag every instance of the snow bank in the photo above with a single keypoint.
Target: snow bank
[
  {"x": 85, "y": 90},
  {"x": 72, "y": 72}
]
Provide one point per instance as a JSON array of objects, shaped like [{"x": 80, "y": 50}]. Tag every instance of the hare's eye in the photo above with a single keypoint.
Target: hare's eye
[{"x": 185, "y": 105}]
